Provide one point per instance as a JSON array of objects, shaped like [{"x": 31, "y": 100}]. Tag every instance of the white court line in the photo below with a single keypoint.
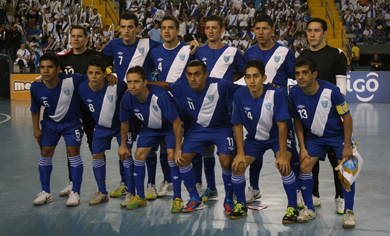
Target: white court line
[{"x": 8, "y": 118}]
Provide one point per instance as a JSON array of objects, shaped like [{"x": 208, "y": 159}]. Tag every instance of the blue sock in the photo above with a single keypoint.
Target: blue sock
[
  {"x": 289, "y": 184},
  {"x": 139, "y": 177},
  {"x": 254, "y": 173},
  {"x": 151, "y": 161},
  {"x": 122, "y": 172},
  {"x": 238, "y": 182},
  {"x": 128, "y": 165},
  {"x": 209, "y": 170},
  {"x": 188, "y": 176},
  {"x": 99, "y": 170},
  {"x": 76, "y": 169},
  {"x": 295, "y": 165},
  {"x": 227, "y": 182},
  {"x": 349, "y": 198},
  {"x": 197, "y": 165},
  {"x": 306, "y": 181},
  {"x": 164, "y": 163},
  {"x": 45, "y": 168},
  {"x": 176, "y": 179}
]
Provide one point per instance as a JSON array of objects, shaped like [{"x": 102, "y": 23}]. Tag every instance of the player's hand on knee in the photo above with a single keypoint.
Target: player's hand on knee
[
  {"x": 303, "y": 154},
  {"x": 238, "y": 160},
  {"x": 177, "y": 155},
  {"x": 347, "y": 152},
  {"x": 38, "y": 134},
  {"x": 283, "y": 165},
  {"x": 122, "y": 152}
]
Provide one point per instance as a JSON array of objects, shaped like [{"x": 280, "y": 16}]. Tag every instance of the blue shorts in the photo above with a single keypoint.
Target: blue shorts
[
  {"x": 256, "y": 148},
  {"x": 102, "y": 138},
  {"x": 199, "y": 141},
  {"x": 71, "y": 130},
  {"x": 154, "y": 141},
  {"x": 318, "y": 147}
]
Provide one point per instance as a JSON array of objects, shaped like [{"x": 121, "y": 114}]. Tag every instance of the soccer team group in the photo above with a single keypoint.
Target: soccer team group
[{"x": 199, "y": 96}]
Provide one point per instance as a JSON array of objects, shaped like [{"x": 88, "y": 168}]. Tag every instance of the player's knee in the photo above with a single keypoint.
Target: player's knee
[
  {"x": 140, "y": 156},
  {"x": 306, "y": 167},
  {"x": 47, "y": 152},
  {"x": 240, "y": 170},
  {"x": 98, "y": 156},
  {"x": 171, "y": 157}
]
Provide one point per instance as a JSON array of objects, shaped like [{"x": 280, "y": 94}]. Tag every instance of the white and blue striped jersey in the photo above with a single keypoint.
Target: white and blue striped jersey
[
  {"x": 62, "y": 102},
  {"x": 222, "y": 62},
  {"x": 105, "y": 104},
  {"x": 170, "y": 63},
  {"x": 156, "y": 114},
  {"x": 210, "y": 107},
  {"x": 321, "y": 112},
  {"x": 127, "y": 56},
  {"x": 259, "y": 116}
]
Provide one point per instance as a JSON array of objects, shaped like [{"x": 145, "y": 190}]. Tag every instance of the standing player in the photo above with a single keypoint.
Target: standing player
[
  {"x": 61, "y": 117},
  {"x": 318, "y": 105},
  {"x": 262, "y": 110},
  {"x": 154, "y": 107},
  {"x": 332, "y": 67}
]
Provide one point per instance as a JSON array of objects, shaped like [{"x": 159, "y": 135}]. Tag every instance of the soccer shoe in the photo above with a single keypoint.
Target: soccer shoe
[
  {"x": 177, "y": 205},
  {"x": 193, "y": 205},
  {"x": 199, "y": 188},
  {"x": 239, "y": 211},
  {"x": 42, "y": 198},
  {"x": 290, "y": 215},
  {"x": 151, "y": 193},
  {"x": 300, "y": 201},
  {"x": 339, "y": 202},
  {"x": 305, "y": 215},
  {"x": 252, "y": 194},
  {"x": 317, "y": 201},
  {"x": 209, "y": 194},
  {"x": 164, "y": 189},
  {"x": 73, "y": 200},
  {"x": 349, "y": 220},
  {"x": 229, "y": 206},
  {"x": 127, "y": 199},
  {"x": 68, "y": 188},
  {"x": 120, "y": 190},
  {"x": 99, "y": 198},
  {"x": 136, "y": 202}
]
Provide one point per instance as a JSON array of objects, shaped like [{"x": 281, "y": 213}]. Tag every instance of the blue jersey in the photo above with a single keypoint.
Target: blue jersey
[
  {"x": 105, "y": 104},
  {"x": 62, "y": 102},
  {"x": 127, "y": 56},
  {"x": 170, "y": 63},
  {"x": 321, "y": 112},
  {"x": 222, "y": 62},
  {"x": 259, "y": 116},
  {"x": 279, "y": 63},
  {"x": 210, "y": 107},
  {"x": 156, "y": 114}
]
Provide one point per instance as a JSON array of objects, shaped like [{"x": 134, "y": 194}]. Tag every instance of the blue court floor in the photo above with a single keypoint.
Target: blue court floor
[{"x": 19, "y": 184}]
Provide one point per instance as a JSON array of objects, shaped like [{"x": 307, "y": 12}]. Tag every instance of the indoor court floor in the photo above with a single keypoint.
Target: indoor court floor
[{"x": 19, "y": 185}]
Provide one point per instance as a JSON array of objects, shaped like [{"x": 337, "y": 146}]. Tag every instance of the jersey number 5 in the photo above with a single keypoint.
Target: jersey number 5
[{"x": 303, "y": 113}]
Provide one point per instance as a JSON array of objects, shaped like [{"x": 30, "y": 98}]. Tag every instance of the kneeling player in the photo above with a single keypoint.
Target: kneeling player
[
  {"x": 262, "y": 110},
  {"x": 155, "y": 108},
  {"x": 318, "y": 105}
]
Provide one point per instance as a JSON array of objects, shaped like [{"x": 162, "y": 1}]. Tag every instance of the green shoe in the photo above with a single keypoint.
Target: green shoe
[
  {"x": 290, "y": 215},
  {"x": 209, "y": 194},
  {"x": 136, "y": 202},
  {"x": 120, "y": 190},
  {"x": 177, "y": 205},
  {"x": 239, "y": 211}
]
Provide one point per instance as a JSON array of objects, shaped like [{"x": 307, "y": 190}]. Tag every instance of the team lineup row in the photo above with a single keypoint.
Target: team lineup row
[{"x": 219, "y": 109}]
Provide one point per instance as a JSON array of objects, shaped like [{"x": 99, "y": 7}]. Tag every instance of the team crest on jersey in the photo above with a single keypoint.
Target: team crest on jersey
[
  {"x": 182, "y": 57},
  {"x": 89, "y": 100},
  {"x": 141, "y": 50},
  {"x": 155, "y": 108},
  {"x": 67, "y": 91},
  {"x": 324, "y": 104},
  {"x": 211, "y": 98},
  {"x": 301, "y": 106},
  {"x": 277, "y": 58},
  {"x": 247, "y": 108},
  {"x": 120, "y": 53},
  {"x": 268, "y": 106},
  {"x": 226, "y": 58},
  {"x": 110, "y": 98}
]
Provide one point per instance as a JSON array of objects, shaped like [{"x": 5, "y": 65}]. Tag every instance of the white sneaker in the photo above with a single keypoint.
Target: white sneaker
[
  {"x": 164, "y": 189},
  {"x": 305, "y": 215},
  {"x": 42, "y": 198},
  {"x": 349, "y": 220},
  {"x": 339, "y": 202},
  {"x": 300, "y": 201},
  {"x": 73, "y": 200},
  {"x": 99, "y": 198},
  {"x": 127, "y": 199},
  {"x": 151, "y": 192},
  {"x": 199, "y": 188},
  {"x": 252, "y": 194},
  {"x": 316, "y": 201},
  {"x": 68, "y": 188}
]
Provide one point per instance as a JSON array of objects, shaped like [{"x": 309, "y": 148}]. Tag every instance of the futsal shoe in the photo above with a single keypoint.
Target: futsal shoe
[
  {"x": 99, "y": 198},
  {"x": 119, "y": 191},
  {"x": 252, "y": 194},
  {"x": 300, "y": 201},
  {"x": 42, "y": 198},
  {"x": 68, "y": 188},
  {"x": 193, "y": 204},
  {"x": 151, "y": 193},
  {"x": 317, "y": 201},
  {"x": 136, "y": 202},
  {"x": 339, "y": 202},
  {"x": 209, "y": 194},
  {"x": 239, "y": 211},
  {"x": 127, "y": 199},
  {"x": 165, "y": 187},
  {"x": 228, "y": 206},
  {"x": 177, "y": 205},
  {"x": 349, "y": 220},
  {"x": 73, "y": 200},
  {"x": 305, "y": 215},
  {"x": 290, "y": 215}
]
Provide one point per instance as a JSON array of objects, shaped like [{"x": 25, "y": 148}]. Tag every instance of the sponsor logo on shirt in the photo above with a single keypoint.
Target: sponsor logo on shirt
[
  {"x": 136, "y": 110},
  {"x": 204, "y": 59},
  {"x": 188, "y": 98},
  {"x": 43, "y": 98},
  {"x": 247, "y": 108},
  {"x": 160, "y": 59},
  {"x": 120, "y": 53},
  {"x": 89, "y": 100},
  {"x": 301, "y": 106}
]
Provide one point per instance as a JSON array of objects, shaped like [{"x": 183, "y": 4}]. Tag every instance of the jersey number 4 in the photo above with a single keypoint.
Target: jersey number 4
[
  {"x": 303, "y": 113},
  {"x": 249, "y": 114}
]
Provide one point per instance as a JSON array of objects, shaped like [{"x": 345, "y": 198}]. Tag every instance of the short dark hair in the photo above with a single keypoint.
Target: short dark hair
[
  {"x": 256, "y": 64},
  {"x": 98, "y": 62},
  {"x": 137, "y": 70},
  {"x": 172, "y": 18},
  {"x": 215, "y": 18},
  {"x": 353, "y": 43},
  {"x": 264, "y": 18},
  {"x": 195, "y": 63},
  {"x": 80, "y": 27},
  {"x": 323, "y": 23},
  {"x": 49, "y": 56},
  {"x": 305, "y": 61},
  {"x": 129, "y": 16}
]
